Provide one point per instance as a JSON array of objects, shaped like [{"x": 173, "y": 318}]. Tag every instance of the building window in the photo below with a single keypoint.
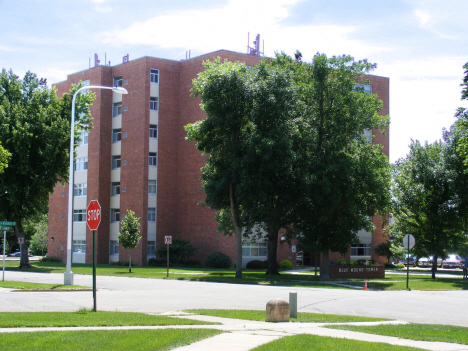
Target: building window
[
  {"x": 365, "y": 88},
  {"x": 151, "y": 187},
  {"x": 116, "y": 135},
  {"x": 79, "y": 246},
  {"x": 361, "y": 250},
  {"x": 154, "y": 76},
  {"x": 118, "y": 81},
  {"x": 82, "y": 138},
  {"x": 153, "y": 158},
  {"x": 115, "y": 189},
  {"x": 80, "y": 189},
  {"x": 113, "y": 247},
  {"x": 254, "y": 249},
  {"x": 79, "y": 215},
  {"x": 151, "y": 248},
  {"x": 153, "y": 133},
  {"x": 81, "y": 164},
  {"x": 115, "y": 163},
  {"x": 117, "y": 109},
  {"x": 151, "y": 214},
  {"x": 115, "y": 215},
  {"x": 153, "y": 103}
]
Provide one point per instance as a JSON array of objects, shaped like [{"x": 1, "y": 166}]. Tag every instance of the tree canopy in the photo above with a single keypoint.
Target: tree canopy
[
  {"x": 4, "y": 157},
  {"x": 429, "y": 197},
  {"x": 462, "y": 120},
  {"x": 35, "y": 129},
  {"x": 285, "y": 144}
]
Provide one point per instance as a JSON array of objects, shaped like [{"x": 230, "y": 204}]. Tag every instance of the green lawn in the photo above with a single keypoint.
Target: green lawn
[
  {"x": 25, "y": 285},
  {"x": 86, "y": 318},
  {"x": 302, "y": 317},
  {"x": 426, "y": 332},
  {"x": 102, "y": 340},
  {"x": 391, "y": 282},
  {"x": 320, "y": 343}
]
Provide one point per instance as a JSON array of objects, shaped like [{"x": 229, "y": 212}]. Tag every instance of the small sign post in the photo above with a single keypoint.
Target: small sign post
[
  {"x": 168, "y": 241},
  {"x": 5, "y": 226},
  {"x": 93, "y": 218},
  {"x": 408, "y": 243}
]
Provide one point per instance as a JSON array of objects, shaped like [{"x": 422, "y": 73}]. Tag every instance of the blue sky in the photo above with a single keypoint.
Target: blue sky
[{"x": 420, "y": 45}]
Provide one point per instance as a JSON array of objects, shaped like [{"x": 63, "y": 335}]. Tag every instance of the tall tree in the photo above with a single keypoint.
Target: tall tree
[
  {"x": 427, "y": 199},
  {"x": 344, "y": 178},
  {"x": 129, "y": 235},
  {"x": 249, "y": 136},
  {"x": 35, "y": 128}
]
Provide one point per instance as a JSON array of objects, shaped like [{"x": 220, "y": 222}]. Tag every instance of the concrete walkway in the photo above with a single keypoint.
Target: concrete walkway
[{"x": 243, "y": 335}]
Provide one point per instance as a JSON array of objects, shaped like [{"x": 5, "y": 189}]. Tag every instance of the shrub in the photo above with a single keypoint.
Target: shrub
[
  {"x": 153, "y": 262},
  {"x": 389, "y": 265},
  {"x": 121, "y": 263},
  {"x": 400, "y": 265},
  {"x": 50, "y": 259},
  {"x": 352, "y": 262},
  {"x": 217, "y": 260},
  {"x": 341, "y": 262},
  {"x": 256, "y": 264},
  {"x": 179, "y": 250},
  {"x": 286, "y": 264}
]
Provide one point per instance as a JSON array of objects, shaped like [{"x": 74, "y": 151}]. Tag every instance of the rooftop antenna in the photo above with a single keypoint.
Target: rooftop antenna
[
  {"x": 255, "y": 50},
  {"x": 96, "y": 60}
]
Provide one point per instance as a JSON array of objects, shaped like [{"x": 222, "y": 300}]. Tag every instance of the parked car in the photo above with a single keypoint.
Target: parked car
[
  {"x": 453, "y": 261},
  {"x": 427, "y": 261},
  {"x": 15, "y": 254},
  {"x": 412, "y": 260}
]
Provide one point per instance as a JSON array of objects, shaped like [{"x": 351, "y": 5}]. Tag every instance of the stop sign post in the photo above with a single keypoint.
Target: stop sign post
[
  {"x": 93, "y": 218},
  {"x": 408, "y": 243}
]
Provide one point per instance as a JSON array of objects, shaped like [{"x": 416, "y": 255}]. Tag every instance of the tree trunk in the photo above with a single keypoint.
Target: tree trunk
[
  {"x": 24, "y": 258},
  {"x": 238, "y": 230},
  {"x": 434, "y": 267},
  {"x": 130, "y": 263},
  {"x": 325, "y": 268},
  {"x": 238, "y": 252},
  {"x": 272, "y": 250}
]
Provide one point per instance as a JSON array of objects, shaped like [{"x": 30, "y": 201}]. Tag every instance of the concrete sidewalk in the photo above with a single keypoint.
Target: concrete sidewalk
[{"x": 243, "y": 335}]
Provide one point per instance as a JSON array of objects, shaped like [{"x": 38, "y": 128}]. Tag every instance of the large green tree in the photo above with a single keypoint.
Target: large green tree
[
  {"x": 35, "y": 129},
  {"x": 344, "y": 178},
  {"x": 429, "y": 195},
  {"x": 249, "y": 138}
]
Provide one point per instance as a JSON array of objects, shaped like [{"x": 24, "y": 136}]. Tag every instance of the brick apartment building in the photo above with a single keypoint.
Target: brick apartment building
[{"x": 136, "y": 157}]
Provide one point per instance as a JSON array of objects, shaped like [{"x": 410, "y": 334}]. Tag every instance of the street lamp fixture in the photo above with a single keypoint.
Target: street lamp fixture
[{"x": 68, "y": 277}]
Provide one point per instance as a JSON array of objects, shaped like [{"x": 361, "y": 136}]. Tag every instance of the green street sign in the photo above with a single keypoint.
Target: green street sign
[
  {"x": 11, "y": 224},
  {"x": 5, "y": 228}
]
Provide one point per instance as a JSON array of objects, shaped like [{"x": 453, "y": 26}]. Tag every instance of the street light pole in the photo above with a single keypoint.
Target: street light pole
[{"x": 68, "y": 277}]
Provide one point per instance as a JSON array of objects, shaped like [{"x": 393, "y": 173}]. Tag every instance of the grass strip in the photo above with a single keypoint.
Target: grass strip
[
  {"x": 87, "y": 318},
  {"x": 323, "y": 343},
  {"x": 102, "y": 340},
  {"x": 38, "y": 286},
  {"x": 302, "y": 317},
  {"x": 425, "y": 332},
  {"x": 390, "y": 282}
]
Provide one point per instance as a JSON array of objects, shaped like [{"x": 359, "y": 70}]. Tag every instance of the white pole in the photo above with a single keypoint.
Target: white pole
[{"x": 68, "y": 277}]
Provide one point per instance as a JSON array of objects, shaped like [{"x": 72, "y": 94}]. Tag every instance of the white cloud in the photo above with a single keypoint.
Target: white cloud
[
  {"x": 226, "y": 27},
  {"x": 423, "y": 17}
]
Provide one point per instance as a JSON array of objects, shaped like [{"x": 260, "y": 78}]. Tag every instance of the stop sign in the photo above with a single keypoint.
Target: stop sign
[{"x": 93, "y": 214}]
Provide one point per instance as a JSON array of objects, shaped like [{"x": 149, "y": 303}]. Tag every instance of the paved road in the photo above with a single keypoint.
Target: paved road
[{"x": 158, "y": 295}]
